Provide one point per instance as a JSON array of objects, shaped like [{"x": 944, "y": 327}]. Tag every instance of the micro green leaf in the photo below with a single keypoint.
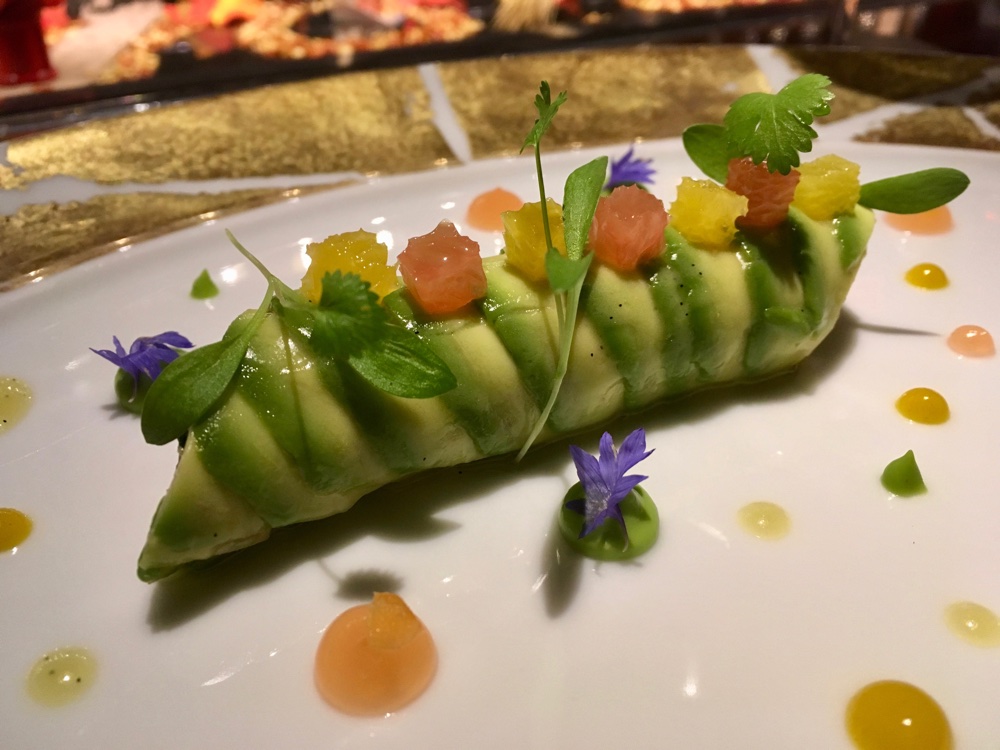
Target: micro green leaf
[
  {"x": 188, "y": 388},
  {"x": 776, "y": 127},
  {"x": 547, "y": 109},
  {"x": 580, "y": 196},
  {"x": 564, "y": 273},
  {"x": 403, "y": 365},
  {"x": 914, "y": 192},
  {"x": 708, "y": 147}
]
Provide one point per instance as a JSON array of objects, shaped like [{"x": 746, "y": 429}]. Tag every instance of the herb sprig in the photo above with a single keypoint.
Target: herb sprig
[
  {"x": 567, "y": 274},
  {"x": 776, "y": 128},
  {"x": 348, "y": 324}
]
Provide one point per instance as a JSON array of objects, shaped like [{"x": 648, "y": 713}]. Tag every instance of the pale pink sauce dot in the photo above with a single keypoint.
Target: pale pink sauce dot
[{"x": 972, "y": 341}]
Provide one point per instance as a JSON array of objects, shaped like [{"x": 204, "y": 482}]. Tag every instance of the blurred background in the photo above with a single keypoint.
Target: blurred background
[{"x": 57, "y": 55}]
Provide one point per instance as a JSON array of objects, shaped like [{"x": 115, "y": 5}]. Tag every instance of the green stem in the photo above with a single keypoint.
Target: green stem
[
  {"x": 572, "y": 303},
  {"x": 541, "y": 193}
]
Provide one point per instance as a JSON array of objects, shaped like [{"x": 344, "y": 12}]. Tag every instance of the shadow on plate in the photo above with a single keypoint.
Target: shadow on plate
[{"x": 407, "y": 511}]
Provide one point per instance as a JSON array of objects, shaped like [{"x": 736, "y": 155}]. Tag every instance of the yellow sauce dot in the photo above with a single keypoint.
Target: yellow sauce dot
[
  {"x": 923, "y": 405},
  {"x": 15, "y": 527},
  {"x": 893, "y": 715},
  {"x": 972, "y": 341},
  {"x": 61, "y": 676},
  {"x": 974, "y": 623},
  {"x": 927, "y": 276},
  {"x": 764, "y": 520},
  {"x": 15, "y": 399}
]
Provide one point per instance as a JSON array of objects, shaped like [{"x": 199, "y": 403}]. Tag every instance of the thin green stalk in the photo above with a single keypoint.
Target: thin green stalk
[{"x": 572, "y": 300}]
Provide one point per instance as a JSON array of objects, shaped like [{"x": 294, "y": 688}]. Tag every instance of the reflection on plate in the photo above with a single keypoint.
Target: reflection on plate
[{"x": 716, "y": 638}]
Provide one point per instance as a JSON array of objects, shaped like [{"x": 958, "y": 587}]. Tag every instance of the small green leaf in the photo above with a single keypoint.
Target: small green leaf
[
  {"x": 914, "y": 192},
  {"x": 189, "y": 386},
  {"x": 580, "y": 196},
  {"x": 565, "y": 274},
  {"x": 404, "y": 365},
  {"x": 546, "y": 111},
  {"x": 776, "y": 127},
  {"x": 708, "y": 147},
  {"x": 203, "y": 287}
]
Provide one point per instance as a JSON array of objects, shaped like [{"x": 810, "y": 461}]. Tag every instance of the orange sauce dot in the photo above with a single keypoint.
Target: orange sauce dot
[
  {"x": 927, "y": 276},
  {"x": 375, "y": 658},
  {"x": 923, "y": 405},
  {"x": 893, "y": 715},
  {"x": 936, "y": 221},
  {"x": 15, "y": 527},
  {"x": 972, "y": 341},
  {"x": 486, "y": 208}
]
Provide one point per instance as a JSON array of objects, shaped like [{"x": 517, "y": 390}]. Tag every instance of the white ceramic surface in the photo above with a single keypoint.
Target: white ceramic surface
[{"x": 715, "y": 639}]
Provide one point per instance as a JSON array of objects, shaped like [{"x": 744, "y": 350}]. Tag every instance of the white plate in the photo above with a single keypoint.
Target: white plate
[{"x": 715, "y": 639}]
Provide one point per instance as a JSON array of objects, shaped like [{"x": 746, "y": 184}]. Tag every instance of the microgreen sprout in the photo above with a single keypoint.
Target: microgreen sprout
[
  {"x": 776, "y": 128},
  {"x": 566, "y": 274}
]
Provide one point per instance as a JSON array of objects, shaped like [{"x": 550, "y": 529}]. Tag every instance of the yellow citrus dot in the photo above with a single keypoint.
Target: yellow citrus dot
[
  {"x": 927, "y": 276},
  {"x": 923, "y": 405},
  {"x": 62, "y": 676},
  {"x": 893, "y": 715},
  {"x": 14, "y": 528}
]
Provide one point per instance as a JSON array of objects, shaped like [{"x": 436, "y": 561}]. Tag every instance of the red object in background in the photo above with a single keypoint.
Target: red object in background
[{"x": 23, "y": 57}]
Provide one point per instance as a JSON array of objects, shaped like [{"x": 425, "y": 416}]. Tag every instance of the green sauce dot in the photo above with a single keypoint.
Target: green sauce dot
[
  {"x": 607, "y": 542},
  {"x": 203, "y": 287},
  {"x": 123, "y": 391},
  {"x": 902, "y": 476}
]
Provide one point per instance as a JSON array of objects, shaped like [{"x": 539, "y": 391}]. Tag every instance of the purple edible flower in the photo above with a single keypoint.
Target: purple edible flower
[
  {"x": 148, "y": 354},
  {"x": 604, "y": 482},
  {"x": 629, "y": 170}
]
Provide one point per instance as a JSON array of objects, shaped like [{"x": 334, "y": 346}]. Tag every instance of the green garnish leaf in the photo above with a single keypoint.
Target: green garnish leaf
[
  {"x": 203, "y": 287},
  {"x": 776, "y": 127},
  {"x": 564, "y": 273},
  {"x": 188, "y": 388},
  {"x": 547, "y": 109},
  {"x": 708, "y": 147},
  {"x": 914, "y": 192},
  {"x": 403, "y": 364},
  {"x": 580, "y": 196},
  {"x": 349, "y": 317}
]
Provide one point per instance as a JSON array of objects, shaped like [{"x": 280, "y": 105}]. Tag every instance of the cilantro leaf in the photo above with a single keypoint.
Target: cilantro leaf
[
  {"x": 708, "y": 147},
  {"x": 349, "y": 316},
  {"x": 914, "y": 192},
  {"x": 546, "y": 111},
  {"x": 776, "y": 127},
  {"x": 403, "y": 364}
]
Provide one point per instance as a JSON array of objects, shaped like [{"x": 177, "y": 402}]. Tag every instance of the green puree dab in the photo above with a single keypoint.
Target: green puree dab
[
  {"x": 607, "y": 515},
  {"x": 203, "y": 287},
  {"x": 608, "y": 542},
  {"x": 902, "y": 476}
]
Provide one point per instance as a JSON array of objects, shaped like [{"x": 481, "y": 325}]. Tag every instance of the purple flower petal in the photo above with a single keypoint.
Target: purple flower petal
[
  {"x": 148, "y": 354},
  {"x": 604, "y": 482},
  {"x": 629, "y": 170}
]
